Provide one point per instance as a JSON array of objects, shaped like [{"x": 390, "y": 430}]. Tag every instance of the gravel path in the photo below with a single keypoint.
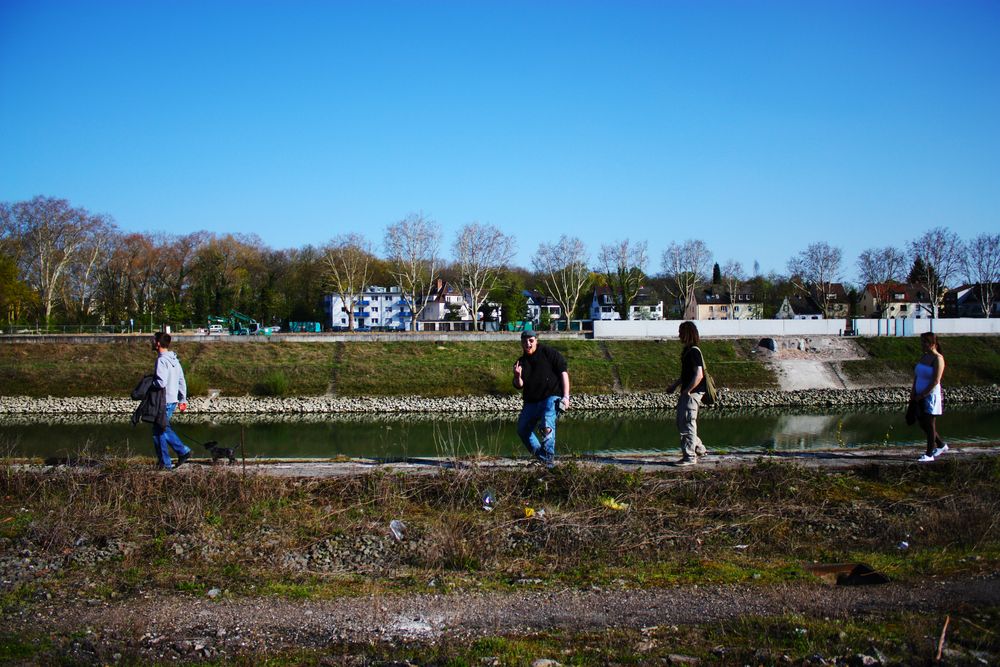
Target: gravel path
[{"x": 184, "y": 626}]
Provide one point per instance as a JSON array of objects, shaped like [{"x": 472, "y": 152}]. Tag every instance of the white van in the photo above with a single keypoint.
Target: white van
[{"x": 215, "y": 330}]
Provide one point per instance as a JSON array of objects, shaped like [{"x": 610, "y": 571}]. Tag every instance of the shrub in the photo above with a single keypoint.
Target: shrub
[
  {"x": 196, "y": 385},
  {"x": 274, "y": 383}
]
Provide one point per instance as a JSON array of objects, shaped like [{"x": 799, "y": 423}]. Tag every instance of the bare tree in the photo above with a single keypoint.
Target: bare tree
[
  {"x": 348, "y": 270},
  {"x": 942, "y": 255},
  {"x": 49, "y": 234},
  {"x": 125, "y": 278},
  {"x": 623, "y": 264},
  {"x": 880, "y": 266},
  {"x": 815, "y": 269},
  {"x": 481, "y": 251},
  {"x": 733, "y": 276},
  {"x": 177, "y": 259},
  {"x": 412, "y": 246},
  {"x": 81, "y": 283},
  {"x": 685, "y": 266},
  {"x": 982, "y": 267},
  {"x": 565, "y": 272}
]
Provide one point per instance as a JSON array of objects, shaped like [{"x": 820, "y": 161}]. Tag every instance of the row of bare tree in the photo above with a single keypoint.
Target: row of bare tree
[{"x": 59, "y": 262}]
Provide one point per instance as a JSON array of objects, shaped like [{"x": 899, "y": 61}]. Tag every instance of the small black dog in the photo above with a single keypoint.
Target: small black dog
[{"x": 219, "y": 452}]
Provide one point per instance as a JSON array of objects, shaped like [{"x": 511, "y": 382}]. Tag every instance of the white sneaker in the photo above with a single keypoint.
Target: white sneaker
[
  {"x": 939, "y": 451},
  {"x": 926, "y": 459}
]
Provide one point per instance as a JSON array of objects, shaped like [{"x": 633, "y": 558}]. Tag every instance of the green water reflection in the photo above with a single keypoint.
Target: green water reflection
[{"x": 451, "y": 435}]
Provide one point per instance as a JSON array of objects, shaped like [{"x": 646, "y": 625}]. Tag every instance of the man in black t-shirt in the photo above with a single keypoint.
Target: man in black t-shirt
[{"x": 541, "y": 374}]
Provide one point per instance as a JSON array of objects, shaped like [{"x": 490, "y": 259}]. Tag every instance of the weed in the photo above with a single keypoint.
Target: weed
[{"x": 275, "y": 383}]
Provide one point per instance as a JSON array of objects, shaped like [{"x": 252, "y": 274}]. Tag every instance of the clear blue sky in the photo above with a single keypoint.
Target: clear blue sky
[{"x": 759, "y": 127}]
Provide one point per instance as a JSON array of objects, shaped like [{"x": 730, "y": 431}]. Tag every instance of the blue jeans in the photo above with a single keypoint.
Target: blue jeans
[
  {"x": 166, "y": 436},
  {"x": 531, "y": 414}
]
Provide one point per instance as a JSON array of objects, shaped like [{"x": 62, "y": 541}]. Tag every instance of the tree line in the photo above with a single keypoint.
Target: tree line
[{"x": 61, "y": 264}]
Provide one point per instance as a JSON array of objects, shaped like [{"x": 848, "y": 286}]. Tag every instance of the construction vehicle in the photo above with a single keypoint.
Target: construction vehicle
[
  {"x": 244, "y": 325},
  {"x": 239, "y": 324}
]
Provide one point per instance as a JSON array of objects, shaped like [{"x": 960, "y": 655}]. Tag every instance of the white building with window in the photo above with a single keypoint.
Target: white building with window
[
  {"x": 539, "y": 303},
  {"x": 645, "y": 306},
  {"x": 375, "y": 308}
]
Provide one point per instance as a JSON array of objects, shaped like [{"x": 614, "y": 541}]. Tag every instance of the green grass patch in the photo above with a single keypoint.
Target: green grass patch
[
  {"x": 419, "y": 368},
  {"x": 969, "y": 360}
]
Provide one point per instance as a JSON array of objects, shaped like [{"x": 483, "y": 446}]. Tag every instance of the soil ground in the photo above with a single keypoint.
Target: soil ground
[
  {"x": 814, "y": 363},
  {"x": 160, "y": 627},
  {"x": 170, "y": 628}
]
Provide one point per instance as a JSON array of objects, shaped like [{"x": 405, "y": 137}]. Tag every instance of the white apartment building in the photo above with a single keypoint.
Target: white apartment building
[{"x": 381, "y": 308}]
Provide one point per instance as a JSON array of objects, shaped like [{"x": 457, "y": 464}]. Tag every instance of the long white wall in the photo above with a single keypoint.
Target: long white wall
[{"x": 771, "y": 328}]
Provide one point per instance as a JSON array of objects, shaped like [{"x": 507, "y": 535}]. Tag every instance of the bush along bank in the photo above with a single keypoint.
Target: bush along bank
[{"x": 734, "y": 399}]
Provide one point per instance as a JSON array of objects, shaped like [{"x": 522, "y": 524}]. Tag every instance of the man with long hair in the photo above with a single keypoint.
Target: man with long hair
[{"x": 692, "y": 384}]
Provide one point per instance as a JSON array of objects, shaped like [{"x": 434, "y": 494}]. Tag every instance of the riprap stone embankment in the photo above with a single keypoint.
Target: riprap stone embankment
[{"x": 735, "y": 399}]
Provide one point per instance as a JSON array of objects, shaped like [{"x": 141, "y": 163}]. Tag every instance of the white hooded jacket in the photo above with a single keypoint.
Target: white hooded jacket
[{"x": 170, "y": 377}]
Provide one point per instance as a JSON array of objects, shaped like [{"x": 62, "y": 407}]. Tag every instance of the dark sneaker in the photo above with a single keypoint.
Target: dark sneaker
[{"x": 183, "y": 458}]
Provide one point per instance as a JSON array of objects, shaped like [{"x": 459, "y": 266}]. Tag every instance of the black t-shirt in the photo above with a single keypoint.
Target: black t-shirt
[
  {"x": 542, "y": 373},
  {"x": 691, "y": 359}
]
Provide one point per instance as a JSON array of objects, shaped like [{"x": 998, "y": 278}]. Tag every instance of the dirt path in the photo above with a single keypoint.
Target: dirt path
[
  {"x": 814, "y": 363},
  {"x": 181, "y": 624},
  {"x": 827, "y": 459}
]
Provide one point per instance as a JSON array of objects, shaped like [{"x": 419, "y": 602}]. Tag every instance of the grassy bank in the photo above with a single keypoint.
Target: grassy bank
[
  {"x": 424, "y": 368},
  {"x": 970, "y": 360},
  {"x": 361, "y": 368},
  {"x": 121, "y": 533}
]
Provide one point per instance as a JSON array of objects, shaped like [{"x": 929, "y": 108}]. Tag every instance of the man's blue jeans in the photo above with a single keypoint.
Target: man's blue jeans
[
  {"x": 166, "y": 436},
  {"x": 543, "y": 411}
]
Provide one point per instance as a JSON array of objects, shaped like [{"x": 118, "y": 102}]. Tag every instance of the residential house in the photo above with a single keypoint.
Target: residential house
[
  {"x": 967, "y": 301},
  {"x": 381, "y": 308},
  {"x": 799, "y": 307},
  {"x": 645, "y": 306},
  {"x": 445, "y": 309},
  {"x": 892, "y": 300},
  {"x": 713, "y": 302},
  {"x": 539, "y": 303},
  {"x": 833, "y": 300}
]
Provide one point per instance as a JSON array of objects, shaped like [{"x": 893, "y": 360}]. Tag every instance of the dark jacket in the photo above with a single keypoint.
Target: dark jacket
[
  {"x": 153, "y": 405},
  {"x": 542, "y": 373}
]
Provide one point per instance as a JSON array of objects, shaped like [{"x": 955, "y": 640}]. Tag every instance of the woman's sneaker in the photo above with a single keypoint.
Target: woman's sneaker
[
  {"x": 939, "y": 451},
  {"x": 926, "y": 458}
]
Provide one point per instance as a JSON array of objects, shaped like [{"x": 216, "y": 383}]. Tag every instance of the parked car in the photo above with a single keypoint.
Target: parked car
[{"x": 216, "y": 330}]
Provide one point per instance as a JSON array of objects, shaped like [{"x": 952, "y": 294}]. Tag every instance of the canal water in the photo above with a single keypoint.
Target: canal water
[{"x": 419, "y": 435}]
